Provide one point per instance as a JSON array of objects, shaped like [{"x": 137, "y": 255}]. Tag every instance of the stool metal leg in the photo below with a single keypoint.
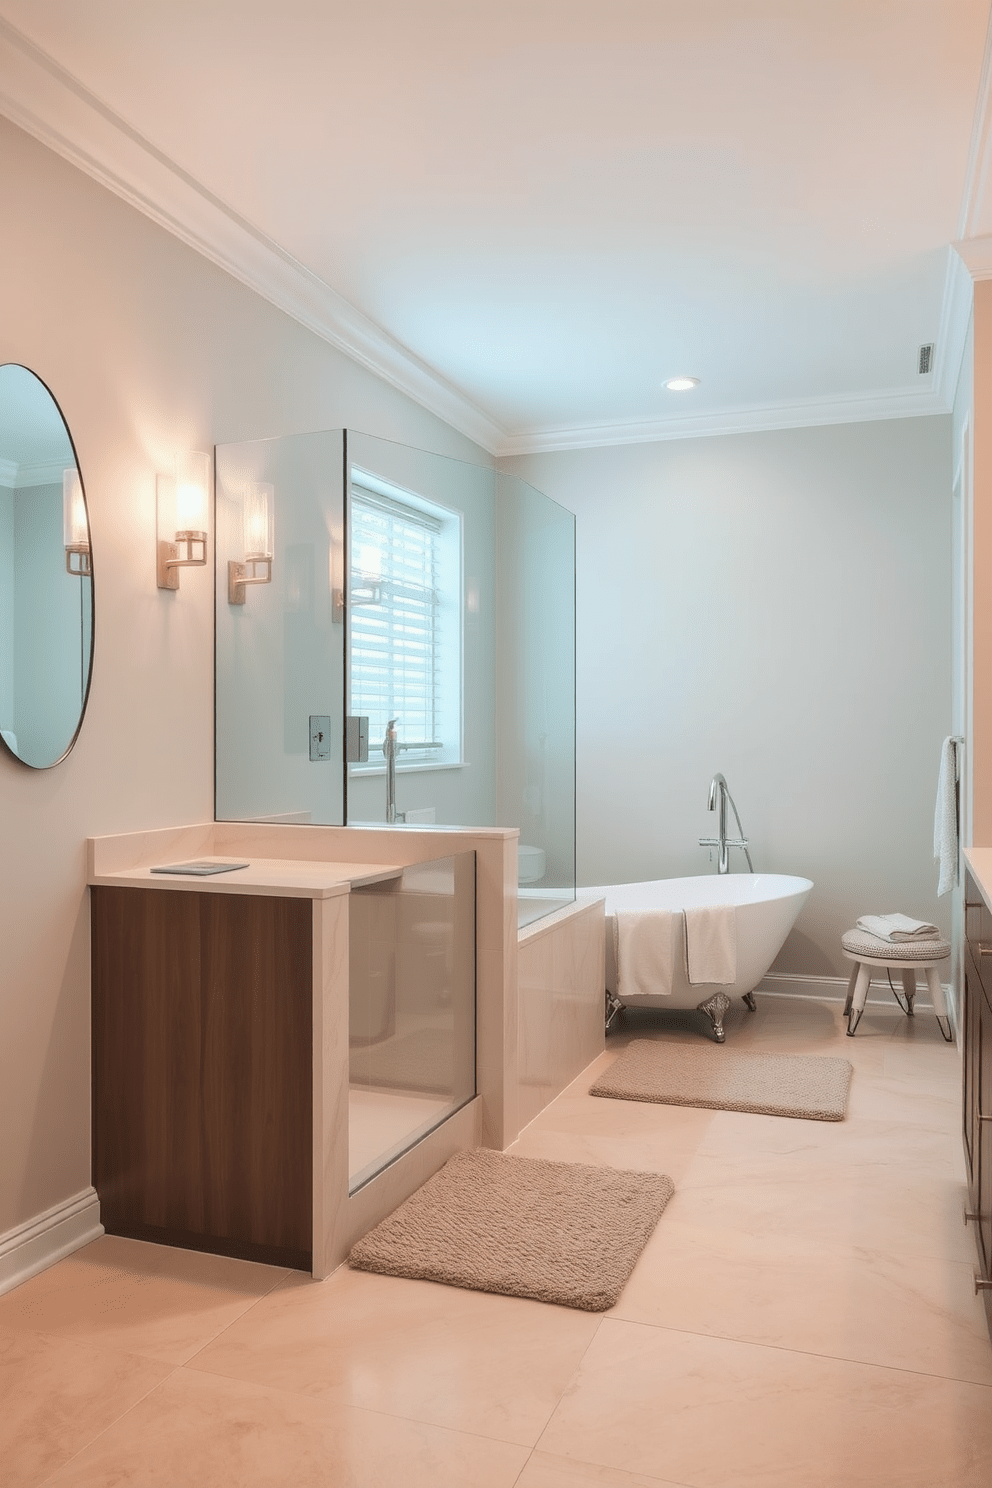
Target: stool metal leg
[
  {"x": 939, "y": 1005},
  {"x": 850, "y": 987},
  {"x": 909, "y": 989},
  {"x": 858, "y": 998}
]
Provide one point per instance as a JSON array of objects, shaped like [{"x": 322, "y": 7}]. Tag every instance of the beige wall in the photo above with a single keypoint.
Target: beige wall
[
  {"x": 148, "y": 348},
  {"x": 775, "y": 606}
]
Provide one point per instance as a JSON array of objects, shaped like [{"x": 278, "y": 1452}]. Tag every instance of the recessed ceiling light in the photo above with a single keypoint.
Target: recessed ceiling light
[{"x": 681, "y": 384}]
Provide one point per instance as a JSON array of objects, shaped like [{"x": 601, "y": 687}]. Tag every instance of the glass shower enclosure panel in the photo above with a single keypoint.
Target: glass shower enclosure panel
[
  {"x": 280, "y": 652},
  {"x": 422, "y": 632},
  {"x": 411, "y": 587},
  {"x": 411, "y": 1031},
  {"x": 536, "y": 690}
]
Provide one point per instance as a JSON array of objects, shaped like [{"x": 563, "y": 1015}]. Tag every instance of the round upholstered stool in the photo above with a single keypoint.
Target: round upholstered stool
[{"x": 871, "y": 955}]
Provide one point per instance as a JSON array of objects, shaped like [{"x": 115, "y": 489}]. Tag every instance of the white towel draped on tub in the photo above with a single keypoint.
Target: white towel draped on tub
[
  {"x": 644, "y": 940},
  {"x": 711, "y": 944},
  {"x": 945, "y": 817}
]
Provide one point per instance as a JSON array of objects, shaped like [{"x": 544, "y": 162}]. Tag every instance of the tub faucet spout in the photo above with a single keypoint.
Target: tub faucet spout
[{"x": 718, "y": 797}]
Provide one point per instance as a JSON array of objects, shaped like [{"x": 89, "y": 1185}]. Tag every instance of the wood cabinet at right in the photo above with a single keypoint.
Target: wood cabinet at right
[{"x": 977, "y": 1060}]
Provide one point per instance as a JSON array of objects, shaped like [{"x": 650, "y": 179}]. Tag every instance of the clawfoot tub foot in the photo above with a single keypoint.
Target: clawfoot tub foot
[
  {"x": 715, "y": 1007},
  {"x": 749, "y": 1002},
  {"x": 613, "y": 1007}
]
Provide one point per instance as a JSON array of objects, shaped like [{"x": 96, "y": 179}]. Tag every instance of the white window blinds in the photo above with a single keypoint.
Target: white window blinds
[{"x": 395, "y": 661}]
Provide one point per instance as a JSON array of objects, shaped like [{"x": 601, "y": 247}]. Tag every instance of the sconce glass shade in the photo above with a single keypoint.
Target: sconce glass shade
[
  {"x": 259, "y": 522},
  {"x": 182, "y": 502},
  {"x": 260, "y": 542},
  {"x": 75, "y": 526},
  {"x": 192, "y": 491}
]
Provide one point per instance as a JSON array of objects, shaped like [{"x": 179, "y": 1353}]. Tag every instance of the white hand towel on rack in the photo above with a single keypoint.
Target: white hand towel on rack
[
  {"x": 644, "y": 941},
  {"x": 711, "y": 944},
  {"x": 946, "y": 830},
  {"x": 897, "y": 927}
]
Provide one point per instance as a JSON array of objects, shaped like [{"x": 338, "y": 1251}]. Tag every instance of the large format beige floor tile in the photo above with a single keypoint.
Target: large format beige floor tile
[
  {"x": 152, "y": 1300},
  {"x": 546, "y": 1471},
  {"x": 712, "y": 1413},
  {"x": 901, "y": 1211},
  {"x": 876, "y": 1307},
  {"x": 466, "y": 1360},
  {"x": 218, "y": 1433},
  {"x": 57, "y": 1396},
  {"x": 874, "y": 1144}
]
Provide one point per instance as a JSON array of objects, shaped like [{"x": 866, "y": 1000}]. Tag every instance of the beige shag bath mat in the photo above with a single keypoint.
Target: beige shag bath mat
[
  {"x": 809, "y": 1086},
  {"x": 557, "y": 1232}
]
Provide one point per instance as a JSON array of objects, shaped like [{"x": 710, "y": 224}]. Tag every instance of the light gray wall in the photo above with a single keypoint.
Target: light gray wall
[
  {"x": 775, "y": 606},
  {"x": 149, "y": 348}
]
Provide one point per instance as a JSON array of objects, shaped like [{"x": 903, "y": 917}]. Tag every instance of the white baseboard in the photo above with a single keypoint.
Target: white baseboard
[
  {"x": 834, "y": 989},
  {"x": 48, "y": 1238}
]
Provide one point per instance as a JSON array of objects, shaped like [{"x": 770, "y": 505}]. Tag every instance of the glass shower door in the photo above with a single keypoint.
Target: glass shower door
[
  {"x": 536, "y": 688},
  {"x": 411, "y": 1032}
]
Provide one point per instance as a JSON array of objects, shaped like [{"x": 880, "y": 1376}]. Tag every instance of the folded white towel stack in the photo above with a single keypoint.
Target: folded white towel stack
[
  {"x": 711, "y": 944},
  {"x": 644, "y": 941},
  {"x": 946, "y": 832},
  {"x": 897, "y": 927}
]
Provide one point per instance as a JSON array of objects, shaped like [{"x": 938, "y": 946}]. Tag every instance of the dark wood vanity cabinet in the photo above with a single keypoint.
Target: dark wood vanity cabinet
[
  {"x": 977, "y": 1060},
  {"x": 203, "y": 1069}
]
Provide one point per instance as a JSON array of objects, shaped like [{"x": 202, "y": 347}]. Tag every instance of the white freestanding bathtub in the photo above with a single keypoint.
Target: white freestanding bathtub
[{"x": 766, "y": 906}]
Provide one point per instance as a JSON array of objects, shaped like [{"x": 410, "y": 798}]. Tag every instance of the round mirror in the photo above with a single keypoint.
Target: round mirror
[{"x": 46, "y": 579}]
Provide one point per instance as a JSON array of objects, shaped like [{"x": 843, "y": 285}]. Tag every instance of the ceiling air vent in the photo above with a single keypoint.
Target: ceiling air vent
[{"x": 926, "y": 358}]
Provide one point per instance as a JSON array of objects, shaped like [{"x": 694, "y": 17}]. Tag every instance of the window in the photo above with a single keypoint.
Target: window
[{"x": 405, "y": 644}]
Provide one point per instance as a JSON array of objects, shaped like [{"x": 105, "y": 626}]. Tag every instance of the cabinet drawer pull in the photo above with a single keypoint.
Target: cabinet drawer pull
[
  {"x": 984, "y": 948},
  {"x": 981, "y": 1285},
  {"x": 969, "y": 1216}
]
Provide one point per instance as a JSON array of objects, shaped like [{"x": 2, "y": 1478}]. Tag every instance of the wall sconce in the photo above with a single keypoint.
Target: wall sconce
[
  {"x": 75, "y": 526},
  {"x": 181, "y": 506},
  {"x": 260, "y": 543}
]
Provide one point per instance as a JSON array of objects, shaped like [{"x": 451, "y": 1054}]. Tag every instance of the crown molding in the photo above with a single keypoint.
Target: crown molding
[
  {"x": 756, "y": 418},
  {"x": 976, "y": 255},
  {"x": 16, "y": 477},
  {"x": 49, "y": 103},
  {"x": 48, "y": 474}
]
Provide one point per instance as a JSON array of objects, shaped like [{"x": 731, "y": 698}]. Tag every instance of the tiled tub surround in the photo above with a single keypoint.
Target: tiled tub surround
[
  {"x": 802, "y": 1317},
  {"x": 560, "y": 1014},
  {"x": 320, "y": 864}
]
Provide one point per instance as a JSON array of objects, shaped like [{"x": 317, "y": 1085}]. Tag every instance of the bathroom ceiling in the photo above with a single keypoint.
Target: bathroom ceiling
[{"x": 530, "y": 213}]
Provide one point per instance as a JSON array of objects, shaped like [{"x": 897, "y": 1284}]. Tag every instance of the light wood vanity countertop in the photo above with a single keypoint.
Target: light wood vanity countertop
[
  {"x": 979, "y": 862},
  {"x": 279, "y": 877}
]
